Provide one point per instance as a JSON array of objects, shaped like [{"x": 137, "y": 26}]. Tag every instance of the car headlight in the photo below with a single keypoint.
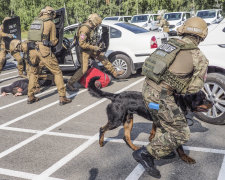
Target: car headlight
[
  {"x": 179, "y": 23},
  {"x": 145, "y": 25}
]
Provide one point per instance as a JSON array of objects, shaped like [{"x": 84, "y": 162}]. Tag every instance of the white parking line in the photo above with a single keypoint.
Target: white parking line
[
  {"x": 44, "y": 175},
  {"x": 20, "y": 174},
  {"x": 5, "y": 85},
  {"x": 136, "y": 173},
  {"x": 32, "y": 138},
  {"x": 222, "y": 171},
  {"x": 8, "y": 78},
  {"x": 22, "y": 100},
  {"x": 7, "y": 73},
  {"x": 37, "y": 110}
]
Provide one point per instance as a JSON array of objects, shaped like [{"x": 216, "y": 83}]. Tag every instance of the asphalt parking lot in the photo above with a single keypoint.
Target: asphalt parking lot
[{"x": 47, "y": 141}]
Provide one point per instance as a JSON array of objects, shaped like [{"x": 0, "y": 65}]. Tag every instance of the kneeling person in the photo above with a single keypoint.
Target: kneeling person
[{"x": 88, "y": 49}]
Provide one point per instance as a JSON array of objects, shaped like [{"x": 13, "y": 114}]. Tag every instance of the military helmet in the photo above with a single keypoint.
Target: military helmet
[
  {"x": 95, "y": 19},
  {"x": 48, "y": 11},
  {"x": 195, "y": 26},
  {"x": 14, "y": 45}
]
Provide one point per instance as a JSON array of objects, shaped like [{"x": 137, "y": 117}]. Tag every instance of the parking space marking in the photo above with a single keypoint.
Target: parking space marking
[
  {"x": 67, "y": 158},
  {"x": 5, "y": 85},
  {"x": 37, "y": 110},
  {"x": 136, "y": 173},
  {"x": 34, "y": 137},
  {"x": 8, "y": 78},
  {"x": 115, "y": 140},
  {"x": 22, "y": 100},
  {"x": 222, "y": 171},
  {"x": 7, "y": 73},
  {"x": 20, "y": 174}
]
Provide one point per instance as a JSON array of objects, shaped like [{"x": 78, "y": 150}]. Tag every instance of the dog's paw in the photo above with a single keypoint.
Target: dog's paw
[{"x": 187, "y": 159}]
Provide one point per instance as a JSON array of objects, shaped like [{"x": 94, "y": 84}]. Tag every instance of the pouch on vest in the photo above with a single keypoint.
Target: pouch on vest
[
  {"x": 159, "y": 68},
  {"x": 36, "y": 30}
]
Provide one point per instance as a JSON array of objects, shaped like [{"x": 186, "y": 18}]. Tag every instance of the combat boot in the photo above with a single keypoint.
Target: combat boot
[
  {"x": 147, "y": 161},
  {"x": 32, "y": 99},
  {"x": 118, "y": 73},
  {"x": 63, "y": 100},
  {"x": 70, "y": 87}
]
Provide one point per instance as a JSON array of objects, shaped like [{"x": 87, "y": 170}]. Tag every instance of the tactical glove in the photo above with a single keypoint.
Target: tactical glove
[
  {"x": 47, "y": 43},
  {"x": 10, "y": 36}
]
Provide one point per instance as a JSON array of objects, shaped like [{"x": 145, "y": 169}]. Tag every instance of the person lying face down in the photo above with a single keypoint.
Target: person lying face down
[{"x": 17, "y": 88}]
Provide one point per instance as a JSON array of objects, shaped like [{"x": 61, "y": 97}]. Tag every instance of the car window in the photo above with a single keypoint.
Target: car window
[
  {"x": 223, "y": 29},
  {"x": 126, "y": 19},
  {"x": 206, "y": 14},
  {"x": 120, "y": 19},
  {"x": 141, "y": 18},
  {"x": 69, "y": 34},
  {"x": 115, "y": 33},
  {"x": 133, "y": 28},
  {"x": 155, "y": 17},
  {"x": 112, "y": 18},
  {"x": 172, "y": 16},
  {"x": 188, "y": 15}
]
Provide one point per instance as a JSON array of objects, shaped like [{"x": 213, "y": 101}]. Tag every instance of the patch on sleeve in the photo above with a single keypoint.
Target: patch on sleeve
[{"x": 83, "y": 36}]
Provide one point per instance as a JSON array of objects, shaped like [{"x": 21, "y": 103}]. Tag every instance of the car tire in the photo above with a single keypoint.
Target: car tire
[
  {"x": 214, "y": 87},
  {"x": 122, "y": 62}
]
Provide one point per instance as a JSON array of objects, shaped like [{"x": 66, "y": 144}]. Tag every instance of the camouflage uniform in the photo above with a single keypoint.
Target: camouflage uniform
[
  {"x": 163, "y": 24},
  {"x": 43, "y": 54},
  {"x": 4, "y": 51},
  {"x": 174, "y": 130},
  {"x": 85, "y": 35}
]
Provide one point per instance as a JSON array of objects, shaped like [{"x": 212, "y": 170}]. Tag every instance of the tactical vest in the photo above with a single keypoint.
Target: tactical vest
[
  {"x": 157, "y": 64},
  {"x": 35, "y": 32}
]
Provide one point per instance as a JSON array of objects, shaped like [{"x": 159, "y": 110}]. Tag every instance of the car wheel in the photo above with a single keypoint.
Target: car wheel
[
  {"x": 122, "y": 62},
  {"x": 214, "y": 87}
]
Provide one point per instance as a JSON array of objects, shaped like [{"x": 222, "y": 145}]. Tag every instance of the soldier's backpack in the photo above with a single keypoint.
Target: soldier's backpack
[{"x": 104, "y": 80}]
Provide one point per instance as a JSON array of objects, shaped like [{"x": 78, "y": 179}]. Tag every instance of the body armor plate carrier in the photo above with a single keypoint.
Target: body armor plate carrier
[
  {"x": 157, "y": 64},
  {"x": 36, "y": 30}
]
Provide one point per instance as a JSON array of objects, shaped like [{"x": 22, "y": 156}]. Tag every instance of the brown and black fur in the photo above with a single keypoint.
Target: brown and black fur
[{"x": 121, "y": 110}]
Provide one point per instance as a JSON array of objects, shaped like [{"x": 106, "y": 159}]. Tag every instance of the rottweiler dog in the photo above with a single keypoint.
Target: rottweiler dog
[{"x": 121, "y": 110}]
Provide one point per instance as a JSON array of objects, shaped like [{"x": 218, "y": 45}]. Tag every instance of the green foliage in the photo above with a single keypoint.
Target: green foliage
[{"x": 78, "y": 10}]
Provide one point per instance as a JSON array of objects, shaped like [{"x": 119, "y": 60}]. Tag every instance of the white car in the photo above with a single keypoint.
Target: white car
[
  {"x": 213, "y": 48},
  {"x": 118, "y": 18},
  {"x": 128, "y": 46},
  {"x": 147, "y": 21},
  {"x": 175, "y": 20},
  {"x": 211, "y": 16}
]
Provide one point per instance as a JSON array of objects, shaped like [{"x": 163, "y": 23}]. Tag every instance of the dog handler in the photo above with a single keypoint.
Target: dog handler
[{"x": 177, "y": 66}]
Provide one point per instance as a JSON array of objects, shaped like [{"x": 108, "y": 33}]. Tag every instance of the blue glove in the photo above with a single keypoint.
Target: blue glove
[{"x": 14, "y": 36}]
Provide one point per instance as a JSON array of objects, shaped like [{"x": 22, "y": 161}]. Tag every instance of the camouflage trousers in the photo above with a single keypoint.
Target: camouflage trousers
[
  {"x": 49, "y": 62},
  {"x": 172, "y": 128},
  {"x": 16, "y": 55},
  {"x": 84, "y": 65}
]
